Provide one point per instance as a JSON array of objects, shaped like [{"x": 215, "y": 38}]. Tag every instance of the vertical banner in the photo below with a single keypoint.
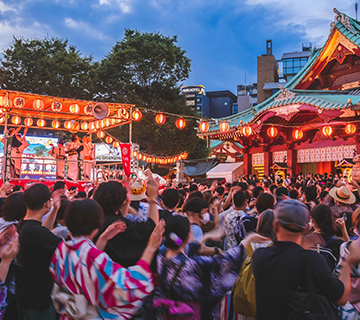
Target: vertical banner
[
  {"x": 125, "y": 155},
  {"x": 7, "y": 162}
]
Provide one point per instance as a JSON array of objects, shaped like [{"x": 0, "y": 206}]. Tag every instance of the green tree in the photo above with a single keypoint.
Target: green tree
[
  {"x": 49, "y": 66},
  {"x": 147, "y": 69}
]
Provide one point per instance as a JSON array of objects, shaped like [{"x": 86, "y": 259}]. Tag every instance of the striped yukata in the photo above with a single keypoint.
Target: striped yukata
[{"x": 77, "y": 266}]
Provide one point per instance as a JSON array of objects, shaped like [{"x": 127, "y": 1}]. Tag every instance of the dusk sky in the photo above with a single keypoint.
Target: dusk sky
[{"x": 221, "y": 37}]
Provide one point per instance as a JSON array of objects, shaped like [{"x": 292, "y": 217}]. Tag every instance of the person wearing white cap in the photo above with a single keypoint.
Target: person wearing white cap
[
  {"x": 343, "y": 199},
  {"x": 282, "y": 267}
]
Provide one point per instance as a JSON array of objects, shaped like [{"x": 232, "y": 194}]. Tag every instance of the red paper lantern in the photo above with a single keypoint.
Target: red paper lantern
[
  {"x": 204, "y": 126},
  {"x": 144, "y": 157},
  {"x": 85, "y": 125},
  {"x": 41, "y": 123},
  {"x": 19, "y": 102},
  {"x": 28, "y": 122},
  {"x": 92, "y": 126},
  {"x": 180, "y": 123},
  {"x": 4, "y": 102},
  {"x": 298, "y": 134},
  {"x": 101, "y": 134},
  {"x": 160, "y": 118},
  {"x": 38, "y": 104},
  {"x": 88, "y": 110},
  {"x": 74, "y": 108},
  {"x": 68, "y": 125},
  {"x": 55, "y": 124},
  {"x": 16, "y": 120},
  {"x": 272, "y": 132},
  {"x": 2, "y": 119},
  {"x": 350, "y": 128},
  {"x": 153, "y": 160},
  {"x": 109, "y": 139},
  {"x": 134, "y": 154},
  {"x": 116, "y": 145},
  {"x": 137, "y": 115},
  {"x": 327, "y": 131},
  {"x": 139, "y": 156},
  {"x": 224, "y": 126},
  {"x": 247, "y": 131},
  {"x": 56, "y": 106}
]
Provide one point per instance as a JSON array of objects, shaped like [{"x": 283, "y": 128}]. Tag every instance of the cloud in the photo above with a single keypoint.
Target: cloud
[
  {"x": 84, "y": 27},
  {"x": 123, "y": 5},
  {"x": 308, "y": 17}
]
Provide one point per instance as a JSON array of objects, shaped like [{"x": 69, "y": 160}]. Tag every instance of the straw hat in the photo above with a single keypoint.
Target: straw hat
[
  {"x": 343, "y": 195},
  {"x": 137, "y": 189}
]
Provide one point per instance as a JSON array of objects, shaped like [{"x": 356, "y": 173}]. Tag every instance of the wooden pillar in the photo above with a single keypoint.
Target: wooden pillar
[
  {"x": 267, "y": 162},
  {"x": 292, "y": 161},
  {"x": 247, "y": 162}
]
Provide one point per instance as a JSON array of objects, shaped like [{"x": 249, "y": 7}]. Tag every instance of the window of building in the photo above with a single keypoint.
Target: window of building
[{"x": 293, "y": 65}]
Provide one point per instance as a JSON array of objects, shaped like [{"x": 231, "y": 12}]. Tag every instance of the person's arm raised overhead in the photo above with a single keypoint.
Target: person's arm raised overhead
[{"x": 152, "y": 191}]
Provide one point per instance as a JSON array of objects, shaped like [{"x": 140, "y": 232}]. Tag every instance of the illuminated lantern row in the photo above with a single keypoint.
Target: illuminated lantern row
[
  {"x": 158, "y": 160},
  {"x": 180, "y": 123},
  {"x": 204, "y": 127},
  {"x": 160, "y": 118}
]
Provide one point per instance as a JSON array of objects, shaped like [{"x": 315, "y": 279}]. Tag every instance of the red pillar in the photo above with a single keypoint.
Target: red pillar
[
  {"x": 247, "y": 162},
  {"x": 267, "y": 162},
  {"x": 292, "y": 161}
]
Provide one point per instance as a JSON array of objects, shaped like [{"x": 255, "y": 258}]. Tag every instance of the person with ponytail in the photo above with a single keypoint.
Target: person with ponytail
[{"x": 328, "y": 245}]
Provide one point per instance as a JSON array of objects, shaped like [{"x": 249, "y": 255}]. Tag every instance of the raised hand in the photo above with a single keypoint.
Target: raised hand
[{"x": 113, "y": 229}]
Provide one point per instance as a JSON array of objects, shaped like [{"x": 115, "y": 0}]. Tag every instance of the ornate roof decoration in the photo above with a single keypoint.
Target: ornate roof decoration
[
  {"x": 284, "y": 94},
  {"x": 343, "y": 19}
]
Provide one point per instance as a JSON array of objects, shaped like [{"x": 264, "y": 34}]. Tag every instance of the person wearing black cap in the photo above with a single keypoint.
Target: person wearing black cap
[{"x": 278, "y": 269}]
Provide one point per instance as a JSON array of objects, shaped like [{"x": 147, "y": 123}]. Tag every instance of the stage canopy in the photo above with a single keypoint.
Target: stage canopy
[{"x": 40, "y": 111}]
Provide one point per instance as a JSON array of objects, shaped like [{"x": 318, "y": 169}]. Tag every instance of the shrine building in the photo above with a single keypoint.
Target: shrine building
[{"x": 311, "y": 124}]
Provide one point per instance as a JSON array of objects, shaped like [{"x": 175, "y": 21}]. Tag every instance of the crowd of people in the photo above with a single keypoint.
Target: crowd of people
[{"x": 134, "y": 250}]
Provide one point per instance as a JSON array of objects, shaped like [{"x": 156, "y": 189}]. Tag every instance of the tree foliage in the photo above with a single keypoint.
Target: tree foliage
[
  {"x": 49, "y": 66},
  {"x": 146, "y": 69}
]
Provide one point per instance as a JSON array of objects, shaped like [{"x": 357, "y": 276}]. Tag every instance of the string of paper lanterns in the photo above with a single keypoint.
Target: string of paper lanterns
[{"x": 108, "y": 139}]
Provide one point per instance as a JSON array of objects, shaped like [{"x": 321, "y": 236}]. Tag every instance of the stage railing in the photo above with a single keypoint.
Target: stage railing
[
  {"x": 46, "y": 168},
  {"x": 109, "y": 171}
]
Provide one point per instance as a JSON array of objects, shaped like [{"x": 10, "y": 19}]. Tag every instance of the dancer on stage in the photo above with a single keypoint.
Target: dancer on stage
[
  {"x": 88, "y": 154},
  {"x": 18, "y": 145},
  {"x": 74, "y": 147},
  {"x": 59, "y": 154}
]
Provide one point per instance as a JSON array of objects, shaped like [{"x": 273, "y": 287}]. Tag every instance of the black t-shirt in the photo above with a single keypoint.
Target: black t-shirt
[
  {"x": 34, "y": 283},
  {"x": 277, "y": 270},
  {"x": 127, "y": 247}
]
